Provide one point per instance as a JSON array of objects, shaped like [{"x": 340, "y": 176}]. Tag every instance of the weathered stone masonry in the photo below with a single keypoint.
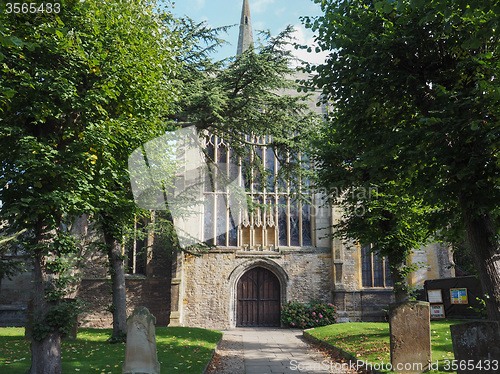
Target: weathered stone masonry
[{"x": 210, "y": 282}]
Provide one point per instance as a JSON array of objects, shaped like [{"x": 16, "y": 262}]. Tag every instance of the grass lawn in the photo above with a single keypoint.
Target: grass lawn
[
  {"x": 181, "y": 350},
  {"x": 369, "y": 341}
]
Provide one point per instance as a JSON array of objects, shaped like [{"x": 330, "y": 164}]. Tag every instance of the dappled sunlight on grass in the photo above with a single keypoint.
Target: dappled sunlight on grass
[
  {"x": 369, "y": 341},
  {"x": 180, "y": 350},
  {"x": 14, "y": 350}
]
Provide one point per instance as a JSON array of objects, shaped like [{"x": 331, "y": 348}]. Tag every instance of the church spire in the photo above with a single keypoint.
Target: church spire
[{"x": 246, "y": 37}]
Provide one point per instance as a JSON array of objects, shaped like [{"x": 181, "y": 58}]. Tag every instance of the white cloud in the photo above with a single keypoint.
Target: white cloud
[
  {"x": 200, "y": 3},
  {"x": 305, "y": 37},
  {"x": 259, "y": 25},
  {"x": 280, "y": 11},
  {"x": 260, "y": 6}
]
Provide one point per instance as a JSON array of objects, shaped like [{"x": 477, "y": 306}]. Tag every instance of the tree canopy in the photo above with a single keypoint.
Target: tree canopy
[
  {"x": 81, "y": 89},
  {"x": 414, "y": 89},
  {"x": 249, "y": 94}
]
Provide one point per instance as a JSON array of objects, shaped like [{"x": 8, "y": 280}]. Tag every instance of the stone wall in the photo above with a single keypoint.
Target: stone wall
[
  {"x": 151, "y": 290},
  {"x": 14, "y": 296},
  {"x": 209, "y": 282},
  {"x": 350, "y": 268},
  {"x": 434, "y": 262},
  {"x": 368, "y": 305},
  {"x": 153, "y": 293},
  {"x": 16, "y": 291}
]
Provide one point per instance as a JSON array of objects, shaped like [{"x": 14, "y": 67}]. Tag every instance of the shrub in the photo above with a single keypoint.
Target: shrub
[{"x": 314, "y": 314}]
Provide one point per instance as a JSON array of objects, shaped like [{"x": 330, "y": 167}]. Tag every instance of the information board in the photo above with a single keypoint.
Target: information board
[
  {"x": 437, "y": 311},
  {"x": 458, "y": 296},
  {"x": 435, "y": 296}
]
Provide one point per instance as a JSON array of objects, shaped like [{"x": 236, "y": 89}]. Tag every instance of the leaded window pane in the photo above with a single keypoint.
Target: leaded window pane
[
  {"x": 306, "y": 224},
  {"x": 374, "y": 269},
  {"x": 378, "y": 271},
  {"x": 294, "y": 225},
  {"x": 388, "y": 279},
  {"x": 283, "y": 221},
  {"x": 273, "y": 220},
  {"x": 246, "y": 170},
  {"x": 210, "y": 156},
  {"x": 233, "y": 232},
  {"x": 366, "y": 266},
  {"x": 208, "y": 218},
  {"x": 257, "y": 180},
  {"x": 270, "y": 168},
  {"x": 221, "y": 220},
  {"x": 221, "y": 167}
]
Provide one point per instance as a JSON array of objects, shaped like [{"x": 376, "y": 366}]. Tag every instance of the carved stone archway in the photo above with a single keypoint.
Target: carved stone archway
[{"x": 242, "y": 269}]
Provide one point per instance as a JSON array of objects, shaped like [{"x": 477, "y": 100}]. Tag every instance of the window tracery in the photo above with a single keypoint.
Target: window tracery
[{"x": 276, "y": 219}]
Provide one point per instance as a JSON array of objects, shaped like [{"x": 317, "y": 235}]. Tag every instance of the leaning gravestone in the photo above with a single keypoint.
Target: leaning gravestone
[
  {"x": 410, "y": 336},
  {"x": 140, "y": 351},
  {"x": 477, "y": 347}
]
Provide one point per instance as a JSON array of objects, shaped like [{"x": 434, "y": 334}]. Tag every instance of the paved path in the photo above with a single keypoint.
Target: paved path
[{"x": 269, "y": 351}]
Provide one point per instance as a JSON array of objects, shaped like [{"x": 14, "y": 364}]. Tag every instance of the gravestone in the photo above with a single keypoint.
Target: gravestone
[
  {"x": 476, "y": 346},
  {"x": 140, "y": 351},
  {"x": 410, "y": 336}
]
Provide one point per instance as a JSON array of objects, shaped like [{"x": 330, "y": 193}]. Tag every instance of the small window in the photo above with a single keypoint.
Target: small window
[
  {"x": 375, "y": 270},
  {"x": 137, "y": 251},
  {"x": 246, "y": 20}
]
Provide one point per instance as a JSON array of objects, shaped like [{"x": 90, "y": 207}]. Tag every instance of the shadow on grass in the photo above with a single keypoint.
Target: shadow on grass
[{"x": 180, "y": 350}]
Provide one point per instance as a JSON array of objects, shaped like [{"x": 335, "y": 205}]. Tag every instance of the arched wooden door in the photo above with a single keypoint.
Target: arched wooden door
[{"x": 258, "y": 299}]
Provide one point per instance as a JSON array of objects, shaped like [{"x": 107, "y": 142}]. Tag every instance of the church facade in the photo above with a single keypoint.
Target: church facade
[{"x": 280, "y": 254}]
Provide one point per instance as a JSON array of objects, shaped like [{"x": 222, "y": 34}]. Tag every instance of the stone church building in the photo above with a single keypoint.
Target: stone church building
[
  {"x": 280, "y": 255},
  {"x": 273, "y": 256}
]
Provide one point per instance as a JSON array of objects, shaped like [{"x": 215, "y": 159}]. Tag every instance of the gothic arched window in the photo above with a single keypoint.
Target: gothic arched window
[{"x": 276, "y": 219}]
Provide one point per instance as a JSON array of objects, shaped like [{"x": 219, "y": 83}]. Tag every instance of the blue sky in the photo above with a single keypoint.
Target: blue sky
[{"x": 274, "y": 15}]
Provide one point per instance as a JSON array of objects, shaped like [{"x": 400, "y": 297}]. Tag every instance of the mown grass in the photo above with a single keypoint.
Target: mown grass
[
  {"x": 369, "y": 342},
  {"x": 181, "y": 350}
]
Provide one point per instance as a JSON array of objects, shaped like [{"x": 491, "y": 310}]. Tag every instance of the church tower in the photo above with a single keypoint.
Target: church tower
[{"x": 246, "y": 37}]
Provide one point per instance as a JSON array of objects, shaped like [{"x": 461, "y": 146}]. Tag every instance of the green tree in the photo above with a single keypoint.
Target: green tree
[
  {"x": 376, "y": 213},
  {"x": 9, "y": 266},
  {"x": 251, "y": 94},
  {"x": 78, "y": 92},
  {"x": 137, "y": 42},
  {"x": 415, "y": 90}
]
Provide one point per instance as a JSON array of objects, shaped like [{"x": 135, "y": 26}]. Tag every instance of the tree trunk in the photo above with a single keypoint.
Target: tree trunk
[
  {"x": 400, "y": 282},
  {"x": 45, "y": 353},
  {"x": 117, "y": 270},
  {"x": 483, "y": 240}
]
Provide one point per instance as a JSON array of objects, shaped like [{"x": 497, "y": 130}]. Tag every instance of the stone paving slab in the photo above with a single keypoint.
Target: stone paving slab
[
  {"x": 279, "y": 351},
  {"x": 268, "y": 351}
]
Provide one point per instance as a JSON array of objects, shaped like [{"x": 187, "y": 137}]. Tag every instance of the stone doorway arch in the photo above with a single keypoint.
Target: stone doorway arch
[
  {"x": 258, "y": 300},
  {"x": 258, "y": 290}
]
